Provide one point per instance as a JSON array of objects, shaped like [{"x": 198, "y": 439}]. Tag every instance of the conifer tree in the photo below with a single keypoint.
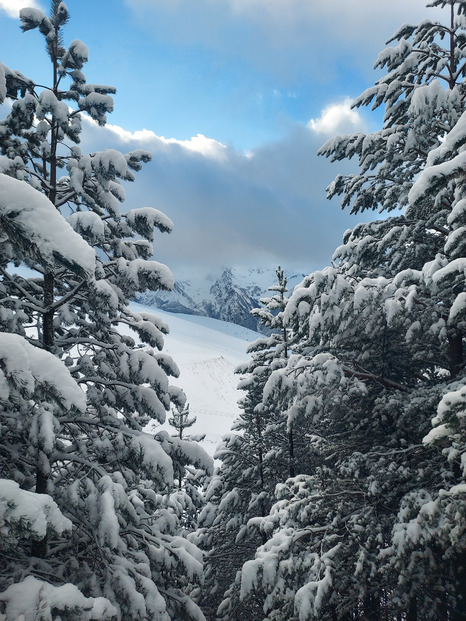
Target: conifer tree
[
  {"x": 191, "y": 471},
  {"x": 254, "y": 457},
  {"x": 180, "y": 419},
  {"x": 369, "y": 533},
  {"x": 107, "y": 476},
  {"x": 36, "y": 390}
]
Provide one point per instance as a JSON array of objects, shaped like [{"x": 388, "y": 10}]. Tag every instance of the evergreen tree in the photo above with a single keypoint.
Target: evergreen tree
[
  {"x": 180, "y": 419},
  {"x": 107, "y": 476},
  {"x": 36, "y": 388},
  {"x": 191, "y": 471},
  {"x": 369, "y": 533},
  {"x": 254, "y": 457}
]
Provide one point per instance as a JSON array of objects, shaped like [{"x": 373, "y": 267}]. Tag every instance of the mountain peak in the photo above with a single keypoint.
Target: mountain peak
[{"x": 228, "y": 295}]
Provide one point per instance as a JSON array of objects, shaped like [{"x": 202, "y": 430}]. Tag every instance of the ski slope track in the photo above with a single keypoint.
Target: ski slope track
[{"x": 207, "y": 351}]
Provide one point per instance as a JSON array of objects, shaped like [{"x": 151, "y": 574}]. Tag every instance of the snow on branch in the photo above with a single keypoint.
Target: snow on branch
[
  {"x": 310, "y": 598},
  {"x": 144, "y": 274},
  {"x": 26, "y": 515},
  {"x": 145, "y": 219},
  {"x": 40, "y": 598},
  {"x": 33, "y": 18},
  {"x": 97, "y": 105},
  {"x": 28, "y": 369},
  {"x": 31, "y": 221}
]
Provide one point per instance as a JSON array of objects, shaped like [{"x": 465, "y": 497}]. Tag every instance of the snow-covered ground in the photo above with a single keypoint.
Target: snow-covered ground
[{"x": 207, "y": 352}]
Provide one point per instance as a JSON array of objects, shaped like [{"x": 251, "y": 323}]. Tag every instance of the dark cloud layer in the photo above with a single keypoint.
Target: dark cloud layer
[{"x": 261, "y": 208}]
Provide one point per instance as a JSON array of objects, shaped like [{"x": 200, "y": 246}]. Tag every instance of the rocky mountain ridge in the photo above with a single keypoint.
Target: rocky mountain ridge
[{"x": 228, "y": 295}]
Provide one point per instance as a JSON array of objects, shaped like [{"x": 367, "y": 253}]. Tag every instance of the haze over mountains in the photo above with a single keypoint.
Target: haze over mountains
[{"x": 228, "y": 295}]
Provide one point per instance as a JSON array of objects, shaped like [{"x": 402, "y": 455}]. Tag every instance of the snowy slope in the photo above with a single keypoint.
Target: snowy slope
[{"x": 207, "y": 351}]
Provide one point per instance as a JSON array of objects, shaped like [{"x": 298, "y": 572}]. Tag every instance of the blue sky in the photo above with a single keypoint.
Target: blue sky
[{"x": 233, "y": 97}]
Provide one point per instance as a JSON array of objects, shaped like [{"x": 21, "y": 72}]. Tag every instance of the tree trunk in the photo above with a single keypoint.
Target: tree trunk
[
  {"x": 292, "y": 469},
  {"x": 411, "y": 615},
  {"x": 453, "y": 64},
  {"x": 459, "y": 610},
  {"x": 260, "y": 451},
  {"x": 371, "y": 608},
  {"x": 455, "y": 353},
  {"x": 47, "y": 321},
  {"x": 39, "y": 548}
]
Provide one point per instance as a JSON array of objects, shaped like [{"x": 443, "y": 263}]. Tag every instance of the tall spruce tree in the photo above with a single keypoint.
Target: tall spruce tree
[
  {"x": 36, "y": 389},
  {"x": 370, "y": 533},
  {"x": 254, "y": 457},
  {"x": 191, "y": 472},
  {"x": 108, "y": 477}
]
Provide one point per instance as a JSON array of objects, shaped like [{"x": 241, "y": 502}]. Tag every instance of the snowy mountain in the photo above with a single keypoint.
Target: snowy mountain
[
  {"x": 207, "y": 352},
  {"x": 228, "y": 295}
]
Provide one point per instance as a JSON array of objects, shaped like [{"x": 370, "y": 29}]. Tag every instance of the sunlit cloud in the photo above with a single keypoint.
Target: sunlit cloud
[
  {"x": 261, "y": 208},
  {"x": 337, "y": 118},
  {"x": 145, "y": 137},
  {"x": 199, "y": 144},
  {"x": 13, "y": 7}
]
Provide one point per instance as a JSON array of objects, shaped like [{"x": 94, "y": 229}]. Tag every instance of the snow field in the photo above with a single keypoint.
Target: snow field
[{"x": 207, "y": 351}]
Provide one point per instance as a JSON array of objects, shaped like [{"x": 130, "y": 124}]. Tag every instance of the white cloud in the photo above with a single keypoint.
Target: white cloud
[
  {"x": 285, "y": 21},
  {"x": 292, "y": 41},
  {"x": 263, "y": 208},
  {"x": 200, "y": 144},
  {"x": 352, "y": 16},
  {"x": 13, "y": 7},
  {"x": 337, "y": 118}
]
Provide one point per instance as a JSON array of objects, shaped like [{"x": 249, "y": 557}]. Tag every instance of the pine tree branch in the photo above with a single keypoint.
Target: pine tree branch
[
  {"x": 362, "y": 375},
  {"x": 117, "y": 428},
  {"x": 32, "y": 301},
  {"x": 91, "y": 342},
  {"x": 67, "y": 297},
  {"x": 72, "y": 457}
]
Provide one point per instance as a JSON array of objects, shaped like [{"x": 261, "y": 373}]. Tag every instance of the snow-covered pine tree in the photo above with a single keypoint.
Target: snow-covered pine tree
[
  {"x": 371, "y": 534},
  {"x": 104, "y": 473},
  {"x": 26, "y": 515},
  {"x": 191, "y": 473},
  {"x": 180, "y": 419},
  {"x": 275, "y": 353},
  {"x": 36, "y": 388},
  {"x": 424, "y": 94},
  {"x": 363, "y": 421},
  {"x": 440, "y": 289},
  {"x": 267, "y": 428},
  {"x": 254, "y": 457}
]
